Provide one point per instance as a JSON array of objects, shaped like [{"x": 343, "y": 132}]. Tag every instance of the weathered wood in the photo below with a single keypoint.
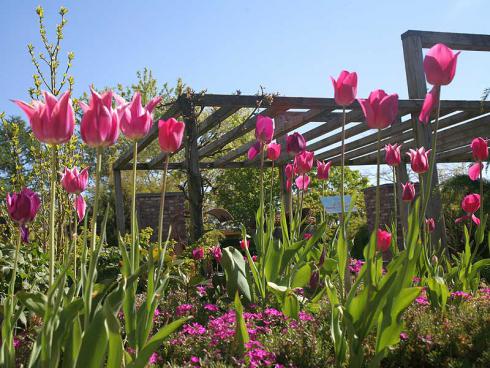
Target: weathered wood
[
  {"x": 127, "y": 156},
  {"x": 285, "y": 193},
  {"x": 238, "y": 131},
  {"x": 195, "y": 192},
  {"x": 412, "y": 52},
  {"x": 458, "y": 41},
  {"x": 216, "y": 117},
  {"x": 120, "y": 221}
]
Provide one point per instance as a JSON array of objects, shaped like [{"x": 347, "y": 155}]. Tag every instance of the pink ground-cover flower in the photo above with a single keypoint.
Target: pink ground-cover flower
[
  {"x": 51, "y": 121},
  {"x": 217, "y": 253},
  {"x": 198, "y": 253},
  {"x": 201, "y": 290},
  {"x": 194, "y": 329},
  {"x": 460, "y": 295},
  {"x": 355, "y": 265},
  {"x": 211, "y": 307},
  {"x": 183, "y": 309}
]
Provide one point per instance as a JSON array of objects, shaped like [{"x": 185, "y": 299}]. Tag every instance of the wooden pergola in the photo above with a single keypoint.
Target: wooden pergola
[{"x": 460, "y": 121}]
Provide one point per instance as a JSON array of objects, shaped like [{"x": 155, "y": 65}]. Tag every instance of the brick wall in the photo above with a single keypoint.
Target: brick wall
[{"x": 148, "y": 210}]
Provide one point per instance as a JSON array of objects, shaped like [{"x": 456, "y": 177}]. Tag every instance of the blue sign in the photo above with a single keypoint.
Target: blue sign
[{"x": 332, "y": 204}]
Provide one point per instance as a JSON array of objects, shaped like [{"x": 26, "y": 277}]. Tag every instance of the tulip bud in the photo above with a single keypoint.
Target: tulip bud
[
  {"x": 479, "y": 147},
  {"x": 304, "y": 162},
  {"x": 264, "y": 129},
  {"x": 74, "y": 182},
  {"x": 80, "y": 207},
  {"x": 302, "y": 182},
  {"x": 22, "y": 207},
  {"x": 289, "y": 171},
  {"x": 244, "y": 244},
  {"x": 314, "y": 280},
  {"x": 273, "y": 151},
  {"x": 254, "y": 150},
  {"x": 135, "y": 119},
  {"x": 323, "y": 169},
  {"x": 430, "y": 102},
  {"x": 430, "y": 223},
  {"x": 170, "y": 134},
  {"x": 434, "y": 260}
]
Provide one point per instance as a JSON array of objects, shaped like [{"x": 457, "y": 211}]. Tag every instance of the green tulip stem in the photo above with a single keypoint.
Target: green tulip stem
[
  {"x": 133, "y": 209},
  {"x": 342, "y": 154},
  {"x": 52, "y": 210},
  {"x": 162, "y": 202}
]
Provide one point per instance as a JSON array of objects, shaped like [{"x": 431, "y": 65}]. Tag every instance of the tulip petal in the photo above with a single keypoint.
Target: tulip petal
[{"x": 474, "y": 171}]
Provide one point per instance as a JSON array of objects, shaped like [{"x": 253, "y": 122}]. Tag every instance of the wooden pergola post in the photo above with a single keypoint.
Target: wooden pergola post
[
  {"x": 285, "y": 193},
  {"x": 417, "y": 88},
  {"x": 194, "y": 178}
]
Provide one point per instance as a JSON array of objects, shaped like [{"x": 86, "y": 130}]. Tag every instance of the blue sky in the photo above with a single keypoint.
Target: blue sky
[{"x": 288, "y": 47}]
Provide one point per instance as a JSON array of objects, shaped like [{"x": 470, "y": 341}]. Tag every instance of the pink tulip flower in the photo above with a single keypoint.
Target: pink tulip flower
[
  {"x": 295, "y": 143},
  {"x": 74, "y": 182},
  {"x": 380, "y": 109},
  {"x": 419, "y": 160},
  {"x": 53, "y": 121},
  {"x": 22, "y": 208},
  {"x": 244, "y": 244},
  {"x": 392, "y": 154},
  {"x": 170, "y": 135},
  {"x": 323, "y": 169},
  {"x": 430, "y": 102},
  {"x": 264, "y": 129},
  {"x": 431, "y": 224},
  {"x": 80, "y": 207},
  {"x": 470, "y": 204},
  {"x": 302, "y": 182},
  {"x": 383, "y": 240},
  {"x": 303, "y": 162},
  {"x": 408, "y": 192},
  {"x": 440, "y": 65},
  {"x": 289, "y": 171},
  {"x": 474, "y": 170},
  {"x": 479, "y": 147},
  {"x": 100, "y": 122},
  {"x": 345, "y": 88},
  {"x": 254, "y": 150},
  {"x": 273, "y": 151},
  {"x": 288, "y": 184},
  {"x": 135, "y": 119}
]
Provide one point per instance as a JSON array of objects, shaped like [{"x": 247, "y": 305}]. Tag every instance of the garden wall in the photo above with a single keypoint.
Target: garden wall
[{"x": 148, "y": 210}]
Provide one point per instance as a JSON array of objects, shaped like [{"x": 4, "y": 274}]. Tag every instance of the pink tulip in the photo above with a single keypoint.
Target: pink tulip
[
  {"x": 288, "y": 184},
  {"x": 198, "y": 253},
  {"x": 135, "y": 119},
  {"x": 170, "y": 134},
  {"x": 383, "y": 240},
  {"x": 244, "y": 244},
  {"x": 392, "y": 154},
  {"x": 430, "y": 223},
  {"x": 22, "y": 208},
  {"x": 380, "y": 109},
  {"x": 53, "y": 121},
  {"x": 80, "y": 207},
  {"x": 303, "y": 162},
  {"x": 217, "y": 253},
  {"x": 440, "y": 65},
  {"x": 345, "y": 88},
  {"x": 273, "y": 151},
  {"x": 74, "y": 182},
  {"x": 254, "y": 150},
  {"x": 289, "y": 171},
  {"x": 430, "y": 102},
  {"x": 295, "y": 143},
  {"x": 470, "y": 204},
  {"x": 323, "y": 169},
  {"x": 302, "y": 182},
  {"x": 100, "y": 123},
  {"x": 408, "y": 192},
  {"x": 419, "y": 160},
  {"x": 474, "y": 171},
  {"x": 479, "y": 147},
  {"x": 264, "y": 129}
]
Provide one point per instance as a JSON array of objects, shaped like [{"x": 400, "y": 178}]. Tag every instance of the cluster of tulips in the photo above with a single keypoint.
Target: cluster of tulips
[{"x": 52, "y": 122}]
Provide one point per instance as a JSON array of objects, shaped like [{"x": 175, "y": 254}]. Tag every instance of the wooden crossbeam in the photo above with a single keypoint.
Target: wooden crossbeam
[
  {"x": 238, "y": 131},
  {"x": 397, "y": 133},
  {"x": 458, "y": 41},
  {"x": 460, "y": 154},
  {"x": 216, "y": 117},
  {"x": 125, "y": 158},
  {"x": 446, "y": 139}
]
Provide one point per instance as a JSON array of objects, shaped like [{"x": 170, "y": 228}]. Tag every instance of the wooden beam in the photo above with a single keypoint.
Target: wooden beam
[
  {"x": 127, "y": 156},
  {"x": 119, "y": 200},
  {"x": 458, "y": 41},
  {"x": 238, "y": 131},
  {"x": 215, "y": 118}
]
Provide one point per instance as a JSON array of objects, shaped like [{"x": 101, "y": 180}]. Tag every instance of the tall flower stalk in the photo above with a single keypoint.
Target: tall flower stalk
[
  {"x": 52, "y": 213},
  {"x": 162, "y": 201}
]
